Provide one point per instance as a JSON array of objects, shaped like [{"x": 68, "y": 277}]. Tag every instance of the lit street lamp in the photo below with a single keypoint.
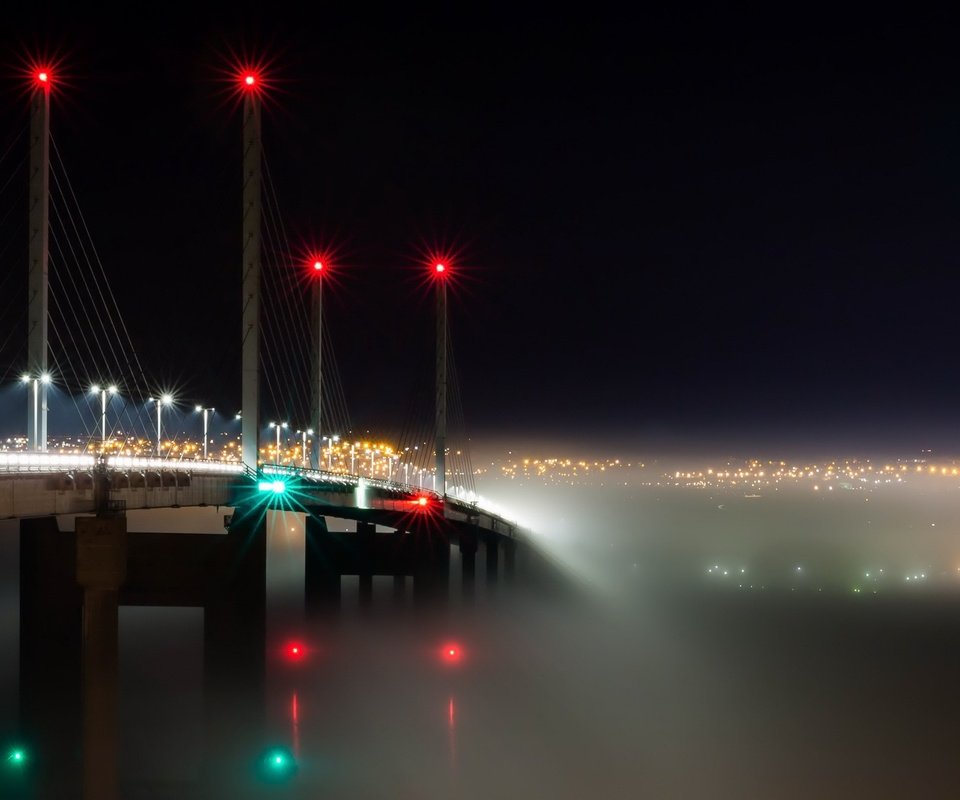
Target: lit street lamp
[
  {"x": 103, "y": 412},
  {"x": 303, "y": 446},
  {"x": 205, "y": 411},
  {"x": 165, "y": 399},
  {"x": 278, "y": 426},
  {"x": 335, "y": 439},
  {"x": 37, "y": 380}
]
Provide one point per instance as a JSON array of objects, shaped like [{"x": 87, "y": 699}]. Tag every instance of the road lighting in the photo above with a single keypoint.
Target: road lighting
[
  {"x": 103, "y": 412},
  {"x": 43, "y": 379},
  {"x": 335, "y": 439},
  {"x": 205, "y": 411},
  {"x": 303, "y": 446},
  {"x": 278, "y": 426},
  {"x": 165, "y": 399}
]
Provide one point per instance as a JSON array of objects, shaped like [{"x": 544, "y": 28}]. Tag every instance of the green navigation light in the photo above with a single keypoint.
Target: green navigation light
[{"x": 276, "y": 765}]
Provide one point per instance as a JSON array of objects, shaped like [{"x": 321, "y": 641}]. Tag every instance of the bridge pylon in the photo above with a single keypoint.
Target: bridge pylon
[
  {"x": 250, "y": 357},
  {"x": 39, "y": 261},
  {"x": 440, "y": 437}
]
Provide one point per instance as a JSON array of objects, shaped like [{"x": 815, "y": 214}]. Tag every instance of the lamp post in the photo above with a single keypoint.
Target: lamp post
[
  {"x": 205, "y": 411},
  {"x": 161, "y": 401},
  {"x": 112, "y": 389},
  {"x": 278, "y": 426},
  {"x": 335, "y": 439},
  {"x": 38, "y": 440},
  {"x": 303, "y": 447}
]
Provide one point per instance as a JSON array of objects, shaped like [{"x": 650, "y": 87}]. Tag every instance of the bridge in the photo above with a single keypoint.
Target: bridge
[
  {"x": 72, "y": 582},
  {"x": 39, "y": 482}
]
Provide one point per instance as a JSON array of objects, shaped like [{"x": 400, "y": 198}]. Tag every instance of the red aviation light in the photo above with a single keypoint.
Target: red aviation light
[
  {"x": 440, "y": 268},
  {"x": 43, "y": 78},
  {"x": 250, "y": 80},
  {"x": 317, "y": 263}
]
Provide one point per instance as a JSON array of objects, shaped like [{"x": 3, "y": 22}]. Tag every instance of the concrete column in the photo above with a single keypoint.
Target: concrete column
[
  {"x": 493, "y": 557},
  {"x": 234, "y": 655},
  {"x": 366, "y": 533},
  {"x": 468, "y": 564},
  {"x": 322, "y": 568},
  {"x": 101, "y": 570},
  {"x": 509, "y": 559},
  {"x": 431, "y": 579},
  {"x": 100, "y": 724},
  {"x": 51, "y": 707}
]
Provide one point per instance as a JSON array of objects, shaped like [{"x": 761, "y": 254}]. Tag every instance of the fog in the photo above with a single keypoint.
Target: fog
[{"x": 721, "y": 642}]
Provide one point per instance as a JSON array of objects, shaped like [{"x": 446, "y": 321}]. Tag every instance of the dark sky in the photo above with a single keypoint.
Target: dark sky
[{"x": 673, "y": 224}]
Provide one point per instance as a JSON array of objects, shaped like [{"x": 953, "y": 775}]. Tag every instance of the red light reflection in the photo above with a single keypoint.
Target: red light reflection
[
  {"x": 295, "y": 651},
  {"x": 451, "y": 653}
]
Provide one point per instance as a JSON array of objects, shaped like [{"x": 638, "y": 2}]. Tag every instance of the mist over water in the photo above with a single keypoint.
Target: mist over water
[{"x": 724, "y": 645}]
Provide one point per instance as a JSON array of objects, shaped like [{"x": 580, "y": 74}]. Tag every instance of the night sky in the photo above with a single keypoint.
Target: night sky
[{"x": 668, "y": 227}]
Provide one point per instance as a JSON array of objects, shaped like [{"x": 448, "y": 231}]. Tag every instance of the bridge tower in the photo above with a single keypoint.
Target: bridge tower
[
  {"x": 39, "y": 260},
  {"x": 250, "y": 359},
  {"x": 316, "y": 385},
  {"x": 440, "y": 438}
]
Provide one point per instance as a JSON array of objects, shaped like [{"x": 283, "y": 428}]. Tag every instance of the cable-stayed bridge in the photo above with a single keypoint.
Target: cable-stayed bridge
[
  {"x": 78, "y": 343},
  {"x": 407, "y": 505}
]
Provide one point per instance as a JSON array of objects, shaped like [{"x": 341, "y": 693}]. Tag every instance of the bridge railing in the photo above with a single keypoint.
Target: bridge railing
[{"x": 45, "y": 462}]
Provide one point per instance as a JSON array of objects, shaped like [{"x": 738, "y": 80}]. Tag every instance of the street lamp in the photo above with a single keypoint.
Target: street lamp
[
  {"x": 37, "y": 380},
  {"x": 278, "y": 426},
  {"x": 303, "y": 446},
  {"x": 165, "y": 399},
  {"x": 205, "y": 411},
  {"x": 103, "y": 412},
  {"x": 335, "y": 439}
]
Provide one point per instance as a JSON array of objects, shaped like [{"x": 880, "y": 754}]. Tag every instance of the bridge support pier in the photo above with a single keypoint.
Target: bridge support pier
[
  {"x": 493, "y": 557},
  {"x": 322, "y": 568},
  {"x": 509, "y": 560},
  {"x": 366, "y": 532},
  {"x": 51, "y": 615},
  {"x": 468, "y": 565},
  {"x": 431, "y": 579},
  {"x": 234, "y": 658},
  {"x": 101, "y": 570}
]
